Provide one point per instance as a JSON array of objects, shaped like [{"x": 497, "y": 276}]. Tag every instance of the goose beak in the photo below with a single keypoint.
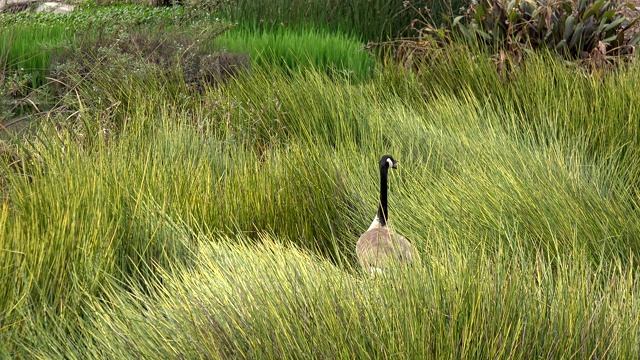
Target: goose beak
[{"x": 395, "y": 165}]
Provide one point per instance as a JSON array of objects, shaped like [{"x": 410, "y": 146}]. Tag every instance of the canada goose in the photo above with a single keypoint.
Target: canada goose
[{"x": 379, "y": 247}]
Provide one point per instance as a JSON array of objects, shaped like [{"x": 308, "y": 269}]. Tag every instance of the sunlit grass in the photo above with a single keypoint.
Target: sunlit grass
[
  {"x": 224, "y": 223},
  {"x": 274, "y": 301}
]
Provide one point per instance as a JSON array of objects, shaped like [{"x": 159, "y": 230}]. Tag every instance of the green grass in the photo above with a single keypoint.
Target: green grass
[
  {"x": 28, "y": 40},
  {"x": 28, "y": 49},
  {"x": 294, "y": 49},
  {"x": 272, "y": 301},
  {"x": 223, "y": 224},
  {"x": 368, "y": 20}
]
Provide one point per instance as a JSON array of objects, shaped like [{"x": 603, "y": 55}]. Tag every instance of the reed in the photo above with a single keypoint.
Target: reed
[
  {"x": 375, "y": 20},
  {"x": 225, "y": 221},
  {"x": 292, "y": 49}
]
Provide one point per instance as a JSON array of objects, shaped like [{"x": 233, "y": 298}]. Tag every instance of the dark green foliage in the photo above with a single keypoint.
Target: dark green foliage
[
  {"x": 371, "y": 20},
  {"x": 583, "y": 29}
]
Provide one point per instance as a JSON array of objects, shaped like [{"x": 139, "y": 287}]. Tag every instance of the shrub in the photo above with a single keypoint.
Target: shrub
[
  {"x": 141, "y": 55},
  {"x": 584, "y": 29},
  {"x": 596, "y": 34}
]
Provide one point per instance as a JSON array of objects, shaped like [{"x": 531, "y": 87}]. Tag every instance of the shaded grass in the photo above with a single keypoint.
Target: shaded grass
[{"x": 376, "y": 20}]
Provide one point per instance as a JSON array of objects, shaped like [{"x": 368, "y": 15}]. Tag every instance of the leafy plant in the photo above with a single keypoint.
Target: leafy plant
[{"x": 584, "y": 29}]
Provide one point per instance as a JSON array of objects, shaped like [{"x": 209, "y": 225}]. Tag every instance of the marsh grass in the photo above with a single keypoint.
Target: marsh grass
[
  {"x": 284, "y": 47},
  {"x": 273, "y": 301},
  {"x": 27, "y": 50},
  {"x": 223, "y": 224},
  {"x": 375, "y": 20}
]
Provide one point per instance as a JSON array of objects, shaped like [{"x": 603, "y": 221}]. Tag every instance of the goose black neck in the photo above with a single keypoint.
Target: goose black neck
[{"x": 383, "y": 212}]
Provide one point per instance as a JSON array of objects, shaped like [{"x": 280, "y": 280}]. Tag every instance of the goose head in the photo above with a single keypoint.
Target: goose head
[{"x": 388, "y": 162}]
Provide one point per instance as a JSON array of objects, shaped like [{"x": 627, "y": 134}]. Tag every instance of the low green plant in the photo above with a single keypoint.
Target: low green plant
[{"x": 88, "y": 16}]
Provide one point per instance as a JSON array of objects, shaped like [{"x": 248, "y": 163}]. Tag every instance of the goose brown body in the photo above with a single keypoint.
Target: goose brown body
[{"x": 380, "y": 247}]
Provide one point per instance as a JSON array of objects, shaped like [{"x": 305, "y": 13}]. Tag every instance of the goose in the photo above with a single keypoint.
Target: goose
[{"x": 379, "y": 247}]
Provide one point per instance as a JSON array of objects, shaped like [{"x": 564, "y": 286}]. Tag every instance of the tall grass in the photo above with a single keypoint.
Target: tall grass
[
  {"x": 224, "y": 224},
  {"x": 272, "y": 301},
  {"x": 369, "y": 20},
  {"x": 294, "y": 49},
  {"x": 26, "y": 50},
  {"x": 565, "y": 108}
]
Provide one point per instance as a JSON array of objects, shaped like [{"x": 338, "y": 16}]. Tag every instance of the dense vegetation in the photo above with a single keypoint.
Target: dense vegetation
[
  {"x": 177, "y": 200},
  {"x": 370, "y": 20}
]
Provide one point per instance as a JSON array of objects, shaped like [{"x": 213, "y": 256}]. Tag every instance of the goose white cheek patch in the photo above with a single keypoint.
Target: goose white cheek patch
[{"x": 390, "y": 163}]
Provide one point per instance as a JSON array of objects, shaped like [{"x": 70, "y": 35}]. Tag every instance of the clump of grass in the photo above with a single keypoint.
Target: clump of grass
[
  {"x": 295, "y": 49},
  {"x": 27, "y": 51},
  {"x": 78, "y": 231},
  {"x": 272, "y": 301},
  {"x": 567, "y": 108}
]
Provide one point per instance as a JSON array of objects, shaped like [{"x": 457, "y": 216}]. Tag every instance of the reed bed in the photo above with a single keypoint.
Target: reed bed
[
  {"x": 375, "y": 20},
  {"x": 222, "y": 224},
  {"x": 293, "y": 49}
]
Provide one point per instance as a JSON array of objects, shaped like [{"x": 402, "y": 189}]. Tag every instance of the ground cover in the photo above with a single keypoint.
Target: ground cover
[{"x": 151, "y": 219}]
